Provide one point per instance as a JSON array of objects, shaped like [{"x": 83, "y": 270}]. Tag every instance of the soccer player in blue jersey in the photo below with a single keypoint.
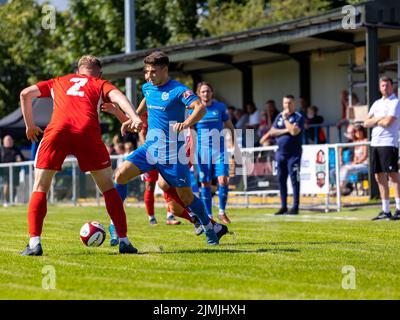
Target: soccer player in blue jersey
[
  {"x": 211, "y": 153},
  {"x": 166, "y": 101}
]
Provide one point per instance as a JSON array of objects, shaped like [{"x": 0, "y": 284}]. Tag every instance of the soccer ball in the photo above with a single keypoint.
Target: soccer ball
[{"x": 92, "y": 234}]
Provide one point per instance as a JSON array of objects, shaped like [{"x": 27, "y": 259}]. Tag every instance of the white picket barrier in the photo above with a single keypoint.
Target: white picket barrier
[{"x": 254, "y": 180}]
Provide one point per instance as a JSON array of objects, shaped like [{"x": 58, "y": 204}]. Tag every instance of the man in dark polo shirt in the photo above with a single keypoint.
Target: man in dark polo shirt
[{"x": 287, "y": 129}]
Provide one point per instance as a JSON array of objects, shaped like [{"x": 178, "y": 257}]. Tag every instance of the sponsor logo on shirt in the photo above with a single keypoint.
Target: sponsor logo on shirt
[{"x": 187, "y": 94}]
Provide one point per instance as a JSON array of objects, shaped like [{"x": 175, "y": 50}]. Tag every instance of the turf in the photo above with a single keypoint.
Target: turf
[{"x": 266, "y": 257}]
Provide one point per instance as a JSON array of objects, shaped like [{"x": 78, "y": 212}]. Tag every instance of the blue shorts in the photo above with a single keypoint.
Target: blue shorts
[
  {"x": 209, "y": 171},
  {"x": 177, "y": 175}
]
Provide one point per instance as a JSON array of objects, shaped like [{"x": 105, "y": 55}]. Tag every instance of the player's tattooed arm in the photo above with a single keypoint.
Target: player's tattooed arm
[
  {"x": 199, "y": 110},
  {"x": 26, "y": 96}
]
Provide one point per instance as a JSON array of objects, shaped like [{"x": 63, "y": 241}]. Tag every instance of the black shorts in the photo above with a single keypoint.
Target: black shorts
[{"x": 384, "y": 159}]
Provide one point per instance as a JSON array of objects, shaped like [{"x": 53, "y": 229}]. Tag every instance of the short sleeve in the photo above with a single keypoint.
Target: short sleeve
[
  {"x": 107, "y": 87},
  {"x": 275, "y": 124},
  {"x": 371, "y": 110},
  {"x": 394, "y": 109},
  {"x": 187, "y": 96},
  {"x": 224, "y": 113},
  {"x": 45, "y": 88},
  {"x": 300, "y": 122}
]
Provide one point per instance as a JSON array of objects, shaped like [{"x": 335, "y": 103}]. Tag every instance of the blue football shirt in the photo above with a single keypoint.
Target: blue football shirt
[
  {"x": 166, "y": 105},
  {"x": 216, "y": 115}
]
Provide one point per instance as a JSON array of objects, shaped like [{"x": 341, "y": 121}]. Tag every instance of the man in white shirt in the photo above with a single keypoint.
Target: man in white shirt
[{"x": 384, "y": 117}]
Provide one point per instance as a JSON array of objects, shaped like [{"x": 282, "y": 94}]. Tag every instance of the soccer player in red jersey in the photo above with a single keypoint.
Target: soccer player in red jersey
[{"x": 74, "y": 129}]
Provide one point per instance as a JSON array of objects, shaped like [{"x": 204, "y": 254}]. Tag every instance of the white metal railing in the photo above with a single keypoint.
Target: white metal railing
[{"x": 21, "y": 174}]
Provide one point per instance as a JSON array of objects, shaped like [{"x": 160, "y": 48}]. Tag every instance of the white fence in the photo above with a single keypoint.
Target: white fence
[{"x": 253, "y": 180}]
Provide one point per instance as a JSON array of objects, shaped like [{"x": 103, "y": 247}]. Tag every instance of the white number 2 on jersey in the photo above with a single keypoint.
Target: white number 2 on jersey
[{"x": 79, "y": 83}]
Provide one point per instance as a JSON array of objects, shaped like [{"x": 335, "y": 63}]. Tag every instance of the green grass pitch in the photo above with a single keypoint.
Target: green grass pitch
[{"x": 266, "y": 257}]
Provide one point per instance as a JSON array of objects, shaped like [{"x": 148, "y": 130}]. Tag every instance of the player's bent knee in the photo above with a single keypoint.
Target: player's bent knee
[{"x": 186, "y": 196}]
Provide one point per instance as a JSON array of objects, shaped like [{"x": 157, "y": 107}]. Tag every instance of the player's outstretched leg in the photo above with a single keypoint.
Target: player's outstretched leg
[
  {"x": 171, "y": 197},
  {"x": 196, "y": 206}
]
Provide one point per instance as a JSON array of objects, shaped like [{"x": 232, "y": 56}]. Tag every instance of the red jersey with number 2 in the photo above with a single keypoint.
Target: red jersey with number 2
[
  {"x": 74, "y": 128},
  {"x": 77, "y": 100}
]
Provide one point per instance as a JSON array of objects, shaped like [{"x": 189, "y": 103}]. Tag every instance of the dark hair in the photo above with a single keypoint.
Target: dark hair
[
  {"x": 231, "y": 108},
  {"x": 271, "y": 102},
  {"x": 359, "y": 127},
  {"x": 289, "y": 96},
  {"x": 157, "y": 58},
  {"x": 386, "y": 79},
  {"x": 204, "y": 83}
]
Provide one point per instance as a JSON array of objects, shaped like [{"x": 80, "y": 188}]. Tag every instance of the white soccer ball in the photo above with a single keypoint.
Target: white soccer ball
[{"x": 93, "y": 234}]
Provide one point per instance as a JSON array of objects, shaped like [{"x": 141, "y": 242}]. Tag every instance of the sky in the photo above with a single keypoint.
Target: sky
[{"x": 60, "y": 5}]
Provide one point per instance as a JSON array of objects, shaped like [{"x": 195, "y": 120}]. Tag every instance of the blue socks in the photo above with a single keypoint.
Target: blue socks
[
  {"x": 122, "y": 190},
  {"x": 197, "y": 207},
  {"x": 206, "y": 197},
  {"x": 223, "y": 196}
]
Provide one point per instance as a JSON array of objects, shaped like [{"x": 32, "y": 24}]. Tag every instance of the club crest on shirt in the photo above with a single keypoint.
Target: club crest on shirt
[
  {"x": 165, "y": 96},
  {"x": 187, "y": 94}
]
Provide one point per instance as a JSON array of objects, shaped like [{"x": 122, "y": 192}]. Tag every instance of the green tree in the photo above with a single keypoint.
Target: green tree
[
  {"x": 23, "y": 50},
  {"x": 220, "y": 17}
]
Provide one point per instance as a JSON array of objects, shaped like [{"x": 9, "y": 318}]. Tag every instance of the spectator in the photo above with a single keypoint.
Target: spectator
[
  {"x": 359, "y": 162},
  {"x": 345, "y": 153},
  {"x": 128, "y": 147},
  {"x": 287, "y": 129},
  {"x": 110, "y": 149},
  {"x": 303, "y": 105},
  {"x": 231, "y": 113},
  {"x": 8, "y": 153},
  {"x": 254, "y": 116},
  {"x": 383, "y": 117},
  {"x": 347, "y": 111},
  {"x": 241, "y": 119},
  {"x": 268, "y": 116},
  {"x": 314, "y": 134}
]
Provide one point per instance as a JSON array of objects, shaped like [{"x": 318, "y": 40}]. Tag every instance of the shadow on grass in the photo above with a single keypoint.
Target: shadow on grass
[
  {"x": 196, "y": 251},
  {"x": 295, "y": 243}
]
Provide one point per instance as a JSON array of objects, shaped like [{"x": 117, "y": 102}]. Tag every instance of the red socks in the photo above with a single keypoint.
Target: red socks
[
  {"x": 172, "y": 195},
  {"x": 149, "y": 202},
  {"x": 115, "y": 209},
  {"x": 36, "y": 212}
]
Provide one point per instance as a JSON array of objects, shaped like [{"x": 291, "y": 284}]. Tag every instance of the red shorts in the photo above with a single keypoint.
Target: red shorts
[
  {"x": 89, "y": 149},
  {"x": 151, "y": 176}
]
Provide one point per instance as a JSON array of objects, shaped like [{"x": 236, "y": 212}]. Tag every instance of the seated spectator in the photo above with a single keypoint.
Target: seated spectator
[
  {"x": 8, "y": 153},
  {"x": 359, "y": 162},
  {"x": 303, "y": 105},
  {"x": 231, "y": 113},
  {"x": 241, "y": 119},
  {"x": 254, "y": 116},
  {"x": 268, "y": 116},
  {"x": 314, "y": 134},
  {"x": 345, "y": 153}
]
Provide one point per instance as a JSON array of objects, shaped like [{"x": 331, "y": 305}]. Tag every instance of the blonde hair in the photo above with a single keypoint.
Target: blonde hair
[{"x": 89, "y": 61}]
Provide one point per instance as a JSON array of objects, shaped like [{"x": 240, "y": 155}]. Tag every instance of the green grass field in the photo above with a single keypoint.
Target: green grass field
[{"x": 266, "y": 257}]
